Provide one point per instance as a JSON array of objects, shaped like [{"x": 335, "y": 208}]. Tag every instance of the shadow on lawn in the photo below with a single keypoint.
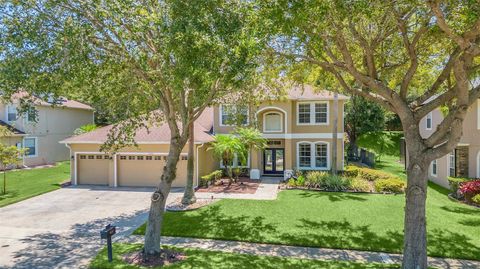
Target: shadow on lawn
[
  {"x": 213, "y": 223},
  {"x": 450, "y": 244},
  {"x": 8, "y": 195},
  {"x": 343, "y": 234},
  {"x": 333, "y": 196},
  {"x": 461, "y": 210}
]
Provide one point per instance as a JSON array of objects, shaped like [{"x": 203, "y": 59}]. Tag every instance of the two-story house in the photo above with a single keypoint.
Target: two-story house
[
  {"x": 464, "y": 160},
  {"x": 40, "y": 129},
  {"x": 299, "y": 131}
]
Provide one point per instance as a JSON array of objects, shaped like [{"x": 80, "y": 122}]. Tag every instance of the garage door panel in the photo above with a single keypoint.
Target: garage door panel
[
  {"x": 146, "y": 170},
  {"x": 92, "y": 169}
]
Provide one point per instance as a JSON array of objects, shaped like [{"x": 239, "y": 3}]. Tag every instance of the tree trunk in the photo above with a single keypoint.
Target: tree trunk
[
  {"x": 335, "y": 134},
  {"x": 4, "y": 181},
  {"x": 415, "y": 234},
  {"x": 189, "y": 194},
  {"x": 159, "y": 199}
]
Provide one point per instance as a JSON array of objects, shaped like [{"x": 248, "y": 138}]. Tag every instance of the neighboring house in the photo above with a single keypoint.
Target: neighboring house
[
  {"x": 42, "y": 128},
  {"x": 299, "y": 132},
  {"x": 464, "y": 160}
]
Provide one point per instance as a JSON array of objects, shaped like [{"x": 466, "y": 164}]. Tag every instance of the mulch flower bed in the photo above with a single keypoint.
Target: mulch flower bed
[
  {"x": 177, "y": 205},
  {"x": 243, "y": 185},
  {"x": 166, "y": 257}
]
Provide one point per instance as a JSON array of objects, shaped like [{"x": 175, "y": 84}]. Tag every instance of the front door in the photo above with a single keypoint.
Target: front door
[{"x": 273, "y": 161}]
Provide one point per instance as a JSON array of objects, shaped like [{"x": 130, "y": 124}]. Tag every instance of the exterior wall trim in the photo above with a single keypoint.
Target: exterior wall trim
[
  {"x": 302, "y": 136},
  {"x": 139, "y": 143}
]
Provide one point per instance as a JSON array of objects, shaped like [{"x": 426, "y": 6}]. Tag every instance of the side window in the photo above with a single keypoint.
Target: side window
[
  {"x": 11, "y": 113},
  {"x": 429, "y": 121},
  {"x": 30, "y": 143}
]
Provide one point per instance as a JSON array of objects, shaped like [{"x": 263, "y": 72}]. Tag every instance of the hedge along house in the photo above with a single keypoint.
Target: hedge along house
[{"x": 298, "y": 129}]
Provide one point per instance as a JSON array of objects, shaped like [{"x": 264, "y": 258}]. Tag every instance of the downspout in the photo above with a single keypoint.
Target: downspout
[{"x": 196, "y": 169}]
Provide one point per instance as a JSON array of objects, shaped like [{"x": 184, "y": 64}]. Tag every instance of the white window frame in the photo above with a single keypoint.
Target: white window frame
[
  {"x": 27, "y": 119},
  {"x": 221, "y": 123},
  {"x": 478, "y": 114},
  {"x": 429, "y": 117},
  {"x": 265, "y": 122},
  {"x": 36, "y": 146},
  {"x": 313, "y": 155},
  {"x": 478, "y": 164},
  {"x": 6, "y": 113},
  {"x": 312, "y": 113},
  {"x": 235, "y": 161},
  {"x": 449, "y": 162},
  {"x": 432, "y": 172}
]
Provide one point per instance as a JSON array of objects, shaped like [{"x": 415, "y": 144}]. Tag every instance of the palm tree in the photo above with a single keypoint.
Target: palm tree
[
  {"x": 251, "y": 138},
  {"x": 225, "y": 148}
]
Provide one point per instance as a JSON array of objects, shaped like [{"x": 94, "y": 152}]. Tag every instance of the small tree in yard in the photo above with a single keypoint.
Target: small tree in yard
[
  {"x": 225, "y": 148},
  {"x": 239, "y": 144},
  {"x": 9, "y": 155},
  {"x": 171, "y": 57},
  {"x": 361, "y": 116},
  {"x": 410, "y": 57}
]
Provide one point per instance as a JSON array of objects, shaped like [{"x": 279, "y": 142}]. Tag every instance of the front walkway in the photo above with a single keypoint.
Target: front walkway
[
  {"x": 267, "y": 190},
  {"x": 302, "y": 252}
]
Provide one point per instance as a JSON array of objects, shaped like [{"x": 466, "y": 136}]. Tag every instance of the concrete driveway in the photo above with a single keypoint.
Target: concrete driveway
[{"x": 61, "y": 229}]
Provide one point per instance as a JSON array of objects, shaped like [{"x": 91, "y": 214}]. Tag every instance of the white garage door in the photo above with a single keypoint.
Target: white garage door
[{"x": 146, "y": 170}]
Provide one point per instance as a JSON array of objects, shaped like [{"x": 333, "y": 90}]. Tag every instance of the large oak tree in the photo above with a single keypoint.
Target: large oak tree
[
  {"x": 408, "y": 56},
  {"x": 175, "y": 57}
]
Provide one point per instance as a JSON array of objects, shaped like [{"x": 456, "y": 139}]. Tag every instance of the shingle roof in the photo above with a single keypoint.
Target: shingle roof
[
  {"x": 308, "y": 92},
  {"x": 154, "y": 134},
  {"x": 64, "y": 101},
  {"x": 12, "y": 129}
]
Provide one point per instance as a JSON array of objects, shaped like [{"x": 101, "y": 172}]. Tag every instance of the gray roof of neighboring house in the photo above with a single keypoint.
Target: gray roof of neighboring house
[
  {"x": 12, "y": 129},
  {"x": 63, "y": 102}
]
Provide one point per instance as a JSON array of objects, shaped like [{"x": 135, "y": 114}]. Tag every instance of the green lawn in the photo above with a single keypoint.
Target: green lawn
[
  {"x": 336, "y": 220},
  {"x": 213, "y": 259},
  {"x": 23, "y": 184}
]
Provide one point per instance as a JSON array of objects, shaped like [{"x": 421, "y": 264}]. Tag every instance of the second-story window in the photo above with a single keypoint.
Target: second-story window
[
  {"x": 272, "y": 122},
  {"x": 433, "y": 168},
  {"x": 304, "y": 113},
  {"x": 31, "y": 115},
  {"x": 312, "y": 113},
  {"x": 429, "y": 121},
  {"x": 321, "y": 113},
  {"x": 233, "y": 115},
  {"x": 11, "y": 113}
]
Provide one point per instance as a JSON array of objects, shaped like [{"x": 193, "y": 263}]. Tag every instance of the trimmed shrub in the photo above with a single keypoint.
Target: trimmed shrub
[
  {"x": 351, "y": 171},
  {"x": 476, "y": 199},
  {"x": 299, "y": 182},
  {"x": 335, "y": 183},
  {"x": 314, "y": 179},
  {"x": 213, "y": 176},
  {"x": 455, "y": 183},
  {"x": 394, "y": 185},
  {"x": 358, "y": 184},
  {"x": 372, "y": 175}
]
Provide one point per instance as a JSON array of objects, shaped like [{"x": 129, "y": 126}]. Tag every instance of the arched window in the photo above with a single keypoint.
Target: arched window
[{"x": 272, "y": 122}]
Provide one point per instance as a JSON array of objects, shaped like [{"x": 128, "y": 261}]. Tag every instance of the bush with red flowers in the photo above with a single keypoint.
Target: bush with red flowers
[{"x": 470, "y": 189}]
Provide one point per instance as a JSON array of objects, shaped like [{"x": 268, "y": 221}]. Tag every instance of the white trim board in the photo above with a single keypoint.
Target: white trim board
[{"x": 303, "y": 136}]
